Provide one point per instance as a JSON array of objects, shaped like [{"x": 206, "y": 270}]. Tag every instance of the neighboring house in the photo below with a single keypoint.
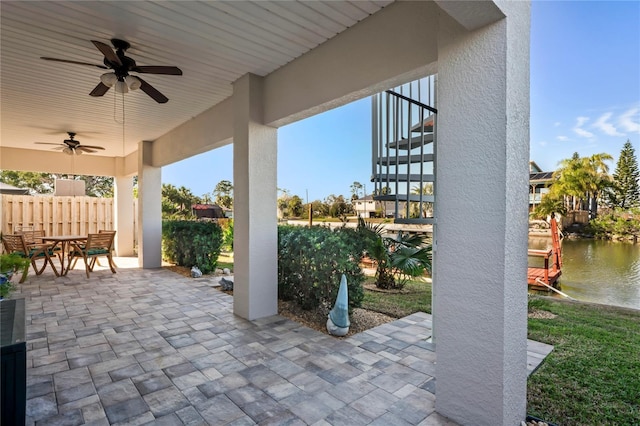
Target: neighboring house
[
  {"x": 5, "y": 188},
  {"x": 539, "y": 182},
  {"x": 368, "y": 207},
  {"x": 212, "y": 211},
  {"x": 365, "y": 207}
]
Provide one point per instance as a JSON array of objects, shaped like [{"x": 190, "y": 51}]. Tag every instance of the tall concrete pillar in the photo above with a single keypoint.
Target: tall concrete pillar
[
  {"x": 481, "y": 260},
  {"x": 123, "y": 223},
  {"x": 255, "y": 243},
  {"x": 149, "y": 209}
]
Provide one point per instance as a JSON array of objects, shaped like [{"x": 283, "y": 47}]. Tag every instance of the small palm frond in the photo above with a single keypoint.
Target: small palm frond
[{"x": 411, "y": 261}]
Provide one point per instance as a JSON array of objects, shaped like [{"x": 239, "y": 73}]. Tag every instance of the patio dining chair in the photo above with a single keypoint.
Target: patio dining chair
[
  {"x": 16, "y": 243},
  {"x": 33, "y": 237},
  {"x": 97, "y": 245}
]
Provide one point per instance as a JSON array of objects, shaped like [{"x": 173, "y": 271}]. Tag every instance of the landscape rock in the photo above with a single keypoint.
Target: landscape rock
[
  {"x": 196, "y": 272},
  {"x": 225, "y": 284}
]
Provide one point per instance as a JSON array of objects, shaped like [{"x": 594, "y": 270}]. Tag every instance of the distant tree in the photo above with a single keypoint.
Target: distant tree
[
  {"x": 320, "y": 209},
  {"x": 581, "y": 181},
  {"x": 177, "y": 202},
  {"x": 44, "y": 183},
  {"x": 549, "y": 204},
  {"x": 356, "y": 187},
  {"x": 385, "y": 190},
  {"x": 283, "y": 204},
  {"x": 223, "y": 193},
  {"x": 37, "y": 183},
  {"x": 294, "y": 206},
  {"x": 338, "y": 206},
  {"x": 98, "y": 186},
  {"x": 625, "y": 191},
  {"x": 600, "y": 181},
  {"x": 427, "y": 208}
]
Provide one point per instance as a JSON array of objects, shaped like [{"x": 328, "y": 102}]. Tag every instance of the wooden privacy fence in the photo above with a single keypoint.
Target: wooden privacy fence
[{"x": 59, "y": 215}]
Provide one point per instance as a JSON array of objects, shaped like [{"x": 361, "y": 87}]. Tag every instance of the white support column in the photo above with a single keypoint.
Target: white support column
[
  {"x": 480, "y": 268},
  {"x": 255, "y": 243},
  {"x": 123, "y": 221},
  {"x": 149, "y": 209}
]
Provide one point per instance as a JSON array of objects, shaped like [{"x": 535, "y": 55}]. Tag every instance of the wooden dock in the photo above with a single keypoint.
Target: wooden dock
[{"x": 540, "y": 278}]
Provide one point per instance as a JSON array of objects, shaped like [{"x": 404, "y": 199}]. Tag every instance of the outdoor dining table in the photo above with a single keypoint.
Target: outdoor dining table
[{"x": 64, "y": 241}]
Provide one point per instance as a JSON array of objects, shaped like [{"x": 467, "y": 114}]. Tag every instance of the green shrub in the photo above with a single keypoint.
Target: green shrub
[
  {"x": 311, "y": 261},
  {"x": 227, "y": 233},
  {"x": 192, "y": 243},
  {"x": 615, "y": 222}
]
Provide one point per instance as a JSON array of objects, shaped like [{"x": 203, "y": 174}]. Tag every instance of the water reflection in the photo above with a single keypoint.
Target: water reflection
[{"x": 599, "y": 271}]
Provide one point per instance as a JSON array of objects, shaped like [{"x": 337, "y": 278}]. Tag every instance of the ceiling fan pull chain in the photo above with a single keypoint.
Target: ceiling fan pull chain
[
  {"x": 115, "y": 108},
  {"x": 123, "y": 121}
]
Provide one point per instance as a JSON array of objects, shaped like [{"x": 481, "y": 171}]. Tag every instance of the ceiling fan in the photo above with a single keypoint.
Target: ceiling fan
[
  {"x": 71, "y": 146},
  {"x": 122, "y": 65}
]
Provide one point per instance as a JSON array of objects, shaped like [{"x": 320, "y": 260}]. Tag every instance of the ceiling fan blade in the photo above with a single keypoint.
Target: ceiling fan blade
[
  {"x": 99, "y": 90},
  {"x": 153, "y": 92},
  {"x": 47, "y": 143},
  {"x": 107, "y": 51},
  {"x": 67, "y": 61},
  {"x": 85, "y": 149},
  {"x": 90, "y": 146},
  {"x": 157, "y": 69}
]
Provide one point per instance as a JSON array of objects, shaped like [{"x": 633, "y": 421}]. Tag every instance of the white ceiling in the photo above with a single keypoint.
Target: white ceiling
[{"x": 213, "y": 42}]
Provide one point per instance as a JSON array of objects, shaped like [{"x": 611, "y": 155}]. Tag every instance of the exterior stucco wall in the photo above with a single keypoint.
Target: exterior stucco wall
[
  {"x": 149, "y": 209},
  {"x": 255, "y": 242},
  {"x": 481, "y": 252},
  {"x": 123, "y": 218}
]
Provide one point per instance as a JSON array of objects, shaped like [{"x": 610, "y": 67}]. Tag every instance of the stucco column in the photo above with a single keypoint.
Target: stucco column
[
  {"x": 123, "y": 221},
  {"x": 255, "y": 243},
  {"x": 481, "y": 260},
  {"x": 149, "y": 209}
]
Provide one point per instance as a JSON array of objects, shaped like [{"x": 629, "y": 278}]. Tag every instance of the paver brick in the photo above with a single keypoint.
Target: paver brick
[{"x": 115, "y": 350}]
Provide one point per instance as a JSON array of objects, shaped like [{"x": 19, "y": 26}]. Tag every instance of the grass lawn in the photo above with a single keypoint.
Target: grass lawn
[
  {"x": 593, "y": 375},
  {"x": 225, "y": 260},
  {"x": 414, "y": 297}
]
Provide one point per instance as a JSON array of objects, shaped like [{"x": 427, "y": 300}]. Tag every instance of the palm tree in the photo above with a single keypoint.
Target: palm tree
[
  {"x": 427, "y": 208},
  {"x": 581, "y": 180},
  {"x": 598, "y": 170},
  {"x": 402, "y": 256}
]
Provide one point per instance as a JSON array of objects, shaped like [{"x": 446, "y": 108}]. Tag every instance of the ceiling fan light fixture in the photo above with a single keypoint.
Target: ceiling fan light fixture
[
  {"x": 108, "y": 79},
  {"x": 133, "y": 82},
  {"x": 68, "y": 151},
  {"x": 121, "y": 87}
]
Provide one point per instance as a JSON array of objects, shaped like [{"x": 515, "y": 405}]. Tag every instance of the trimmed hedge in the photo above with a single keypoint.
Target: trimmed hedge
[
  {"x": 311, "y": 261},
  {"x": 192, "y": 243}
]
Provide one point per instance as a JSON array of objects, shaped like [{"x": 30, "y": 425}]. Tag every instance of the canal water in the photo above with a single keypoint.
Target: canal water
[{"x": 599, "y": 271}]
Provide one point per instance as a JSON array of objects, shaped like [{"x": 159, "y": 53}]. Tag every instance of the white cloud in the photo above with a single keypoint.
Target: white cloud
[
  {"x": 579, "y": 130},
  {"x": 627, "y": 120},
  {"x": 542, "y": 143},
  {"x": 603, "y": 124},
  {"x": 556, "y": 124},
  {"x": 562, "y": 138}
]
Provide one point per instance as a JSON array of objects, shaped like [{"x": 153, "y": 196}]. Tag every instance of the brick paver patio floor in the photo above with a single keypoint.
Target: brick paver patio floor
[{"x": 153, "y": 347}]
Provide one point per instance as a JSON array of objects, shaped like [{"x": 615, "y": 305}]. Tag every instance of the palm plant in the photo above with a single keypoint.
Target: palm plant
[
  {"x": 424, "y": 209},
  {"x": 397, "y": 258},
  {"x": 581, "y": 180}
]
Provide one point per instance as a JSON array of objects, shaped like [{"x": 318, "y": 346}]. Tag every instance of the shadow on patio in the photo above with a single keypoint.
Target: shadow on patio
[{"x": 150, "y": 346}]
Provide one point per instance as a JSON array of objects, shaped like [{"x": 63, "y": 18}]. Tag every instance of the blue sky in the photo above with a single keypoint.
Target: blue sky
[{"x": 585, "y": 98}]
